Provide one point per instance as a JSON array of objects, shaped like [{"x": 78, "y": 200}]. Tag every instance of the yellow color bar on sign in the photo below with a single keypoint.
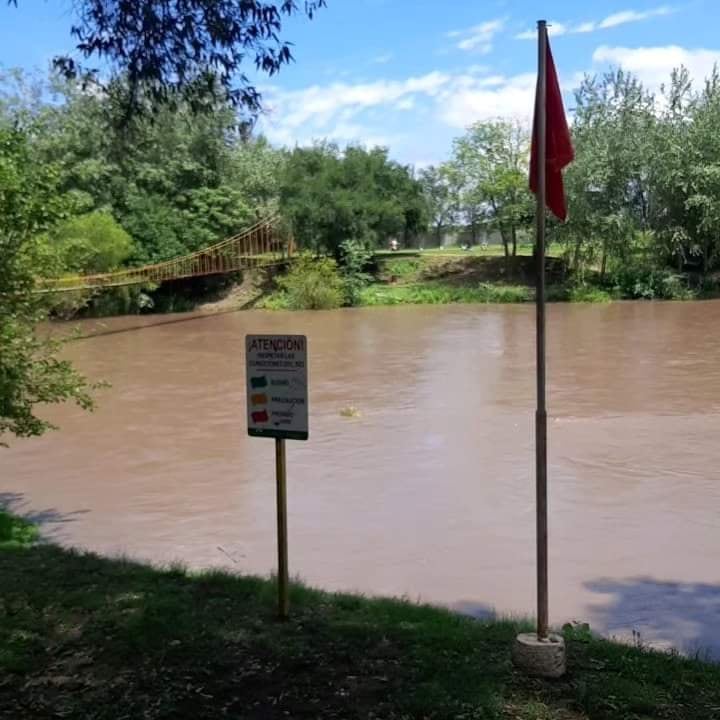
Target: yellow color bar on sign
[{"x": 259, "y": 399}]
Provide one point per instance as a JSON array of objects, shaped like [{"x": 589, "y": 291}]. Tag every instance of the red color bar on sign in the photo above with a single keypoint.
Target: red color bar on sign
[{"x": 260, "y": 416}]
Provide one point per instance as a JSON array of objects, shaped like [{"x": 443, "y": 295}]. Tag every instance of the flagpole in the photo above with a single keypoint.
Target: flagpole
[{"x": 541, "y": 412}]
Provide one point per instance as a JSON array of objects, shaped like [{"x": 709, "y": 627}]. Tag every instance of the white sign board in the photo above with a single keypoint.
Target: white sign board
[{"x": 277, "y": 386}]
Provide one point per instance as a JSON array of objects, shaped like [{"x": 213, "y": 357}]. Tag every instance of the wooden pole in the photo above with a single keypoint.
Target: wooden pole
[
  {"x": 541, "y": 413},
  {"x": 281, "y": 477}
]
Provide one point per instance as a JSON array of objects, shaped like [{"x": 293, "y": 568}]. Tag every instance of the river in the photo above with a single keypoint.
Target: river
[{"x": 429, "y": 492}]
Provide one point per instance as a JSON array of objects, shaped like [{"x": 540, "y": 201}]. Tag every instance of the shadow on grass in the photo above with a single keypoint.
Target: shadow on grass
[
  {"x": 87, "y": 637},
  {"x": 685, "y": 616},
  {"x": 18, "y": 504},
  {"x": 475, "y": 610}
]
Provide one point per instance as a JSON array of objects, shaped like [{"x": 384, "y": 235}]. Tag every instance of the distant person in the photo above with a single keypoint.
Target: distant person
[{"x": 394, "y": 245}]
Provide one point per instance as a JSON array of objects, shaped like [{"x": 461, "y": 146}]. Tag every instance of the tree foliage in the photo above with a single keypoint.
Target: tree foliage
[
  {"x": 331, "y": 195},
  {"x": 31, "y": 372},
  {"x": 484, "y": 184},
  {"x": 313, "y": 284},
  {"x": 644, "y": 189},
  {"x": 175, "y": 182},
  {"x": 92, "y": 243},
  {"x": 492, "y": 160},
  {"x": 441, "y": 197},
  {"x": 181, "y": 50}
]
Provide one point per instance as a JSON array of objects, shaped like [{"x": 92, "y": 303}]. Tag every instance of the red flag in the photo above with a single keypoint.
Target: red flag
[{"x": 559, "y": 150}]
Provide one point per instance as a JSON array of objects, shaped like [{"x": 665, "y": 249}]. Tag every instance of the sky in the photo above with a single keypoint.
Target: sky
[{"x": 413, "y": 74}]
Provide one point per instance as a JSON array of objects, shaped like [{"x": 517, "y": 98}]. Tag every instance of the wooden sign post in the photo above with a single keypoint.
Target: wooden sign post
[{"x": 277, "y": 407}]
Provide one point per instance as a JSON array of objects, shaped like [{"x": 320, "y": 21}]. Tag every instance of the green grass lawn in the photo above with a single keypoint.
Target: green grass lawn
[
  {"x": 96, "y": 639},
  {"x": 494, "y": 250}
]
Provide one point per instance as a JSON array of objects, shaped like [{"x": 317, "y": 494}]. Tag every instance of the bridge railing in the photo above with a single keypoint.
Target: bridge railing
[{"x": 257, "y": 246}]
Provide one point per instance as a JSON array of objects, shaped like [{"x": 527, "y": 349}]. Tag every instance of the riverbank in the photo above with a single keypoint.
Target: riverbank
[
  {"x": 413, "y": 277},
  {"x": 83, "y": 636},
  {"x": 440, "y": 277}
]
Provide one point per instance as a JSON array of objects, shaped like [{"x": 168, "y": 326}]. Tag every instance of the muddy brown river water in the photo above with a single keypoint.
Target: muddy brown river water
[{"x": 429, "y": 492}]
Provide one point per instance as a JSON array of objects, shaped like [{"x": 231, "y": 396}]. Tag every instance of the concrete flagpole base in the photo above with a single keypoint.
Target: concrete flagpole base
[{"x": 540, "y": 658}]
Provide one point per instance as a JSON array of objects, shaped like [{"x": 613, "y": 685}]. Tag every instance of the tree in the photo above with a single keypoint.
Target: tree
[
  {"x": 330, "y": 196},
  {"x": 686, "y": 172},
  {"x": 182, "y": 49},
  {"x": 92, "y": 243},
  {"x": 491, "y": 160},
  {"x": 440, "y": 197},
  {"x": 609, "y": 183},
  {"x": 177, "y": 181},
  {"x": 31, "y": 373}
]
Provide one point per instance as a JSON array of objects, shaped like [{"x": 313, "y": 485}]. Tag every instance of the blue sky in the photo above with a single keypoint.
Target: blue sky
[{"x": 412, "y": 74}]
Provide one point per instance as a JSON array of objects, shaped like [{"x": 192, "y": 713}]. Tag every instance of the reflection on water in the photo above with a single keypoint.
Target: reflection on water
[{"x": 429, "y": 493}]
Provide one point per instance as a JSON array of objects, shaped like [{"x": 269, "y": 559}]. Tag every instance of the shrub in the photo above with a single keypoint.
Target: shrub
[
  {"x": 355, "y": 259},
  {"x": 313, "y": 284},
  {"x": 635, "y": 282},
  {"x": 589, "y": 294},
  {"x": 92, "y": 243},
  {"x": 440, "y": 294},
  {"x": 407, "y": 268},
  {"x": 15, "y": 531}
]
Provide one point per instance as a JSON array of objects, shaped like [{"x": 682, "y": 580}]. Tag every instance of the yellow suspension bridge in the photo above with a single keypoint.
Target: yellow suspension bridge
[{"x": 259, "y": 246}]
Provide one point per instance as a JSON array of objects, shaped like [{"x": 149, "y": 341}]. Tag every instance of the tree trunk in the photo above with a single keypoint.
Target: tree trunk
[
  {"x": 505, "y": 241},
  {"x": 603, "y": 263},
  {"x": 438, "y": 234},
  {"x": 514, "y": 241},
  {"x": 576, "y": 257},
  {"x": 506, "y": 246}
]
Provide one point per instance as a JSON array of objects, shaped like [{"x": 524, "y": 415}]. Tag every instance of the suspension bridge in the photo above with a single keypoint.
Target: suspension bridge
[{"x": 258, "y": 246}]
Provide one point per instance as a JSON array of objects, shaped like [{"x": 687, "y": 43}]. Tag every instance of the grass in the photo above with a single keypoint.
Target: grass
[
  {"x": 87, "y": 637},
  {"x": 451, "y": 275},
  {"x": 493, "y": 250},
  {"x": 441, "y": 293},
  {"x": 589, "y": 294},
  {"x": 15, "y": 531}
]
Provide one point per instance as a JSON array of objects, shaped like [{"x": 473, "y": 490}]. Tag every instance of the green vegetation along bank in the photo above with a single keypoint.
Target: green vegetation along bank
[
  {"x": 87, "y": 637},
  {"x": 453, "y": 276}
]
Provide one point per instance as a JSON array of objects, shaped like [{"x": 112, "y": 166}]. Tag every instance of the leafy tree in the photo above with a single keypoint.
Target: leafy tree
[
  {"x": 313, "y": 284},
  {"x": 176, "y": 182},
  {"x": 440, "y": 196},
  {"x": 31, "y": 373},
  {"x": 609, "y": 181},
  {"x": 92, "y": 243},
  {"x": 491, "y": 162},
  {"x": 182, "y": 50},
  {"x": 355, "y": 259},
  {"x": 686, "y": 173},
  {"x": 331, "y": 196}
]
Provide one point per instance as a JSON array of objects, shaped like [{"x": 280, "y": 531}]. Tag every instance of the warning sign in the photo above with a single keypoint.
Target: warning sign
[{"x": 277, "y": 387}]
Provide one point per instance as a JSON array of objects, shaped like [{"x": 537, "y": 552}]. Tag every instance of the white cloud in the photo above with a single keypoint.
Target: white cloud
[
  {"x": 320, "y": 104},
  {"x": 653, "y": 65},
  {"x": 478, "y": 38},
  {"x": 556, "y": 29},
  {"x": 467, "y": 100},
  {"x": 382, "y": 59},
  {"x": 631, "y": 16},
  {"x": 407, "y": 103},
  {"x": 332, "y": 111},
  {"x": 367, "y": 112},
  {"x": 586, "y": 27}
]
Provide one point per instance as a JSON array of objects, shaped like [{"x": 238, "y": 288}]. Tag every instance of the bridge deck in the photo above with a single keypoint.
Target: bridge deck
[{"x": 258, "y": 246}]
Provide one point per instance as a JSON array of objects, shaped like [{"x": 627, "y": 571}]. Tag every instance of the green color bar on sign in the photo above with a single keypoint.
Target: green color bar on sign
[{"x": 282, "y": 434}]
